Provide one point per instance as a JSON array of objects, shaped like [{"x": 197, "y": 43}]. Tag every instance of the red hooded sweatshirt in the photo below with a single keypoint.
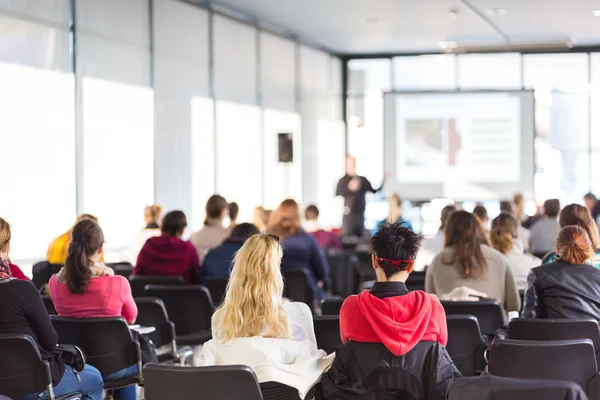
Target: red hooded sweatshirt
[
  {"x": 399, "y": 322},
  {"x": 168, "y": 256}
]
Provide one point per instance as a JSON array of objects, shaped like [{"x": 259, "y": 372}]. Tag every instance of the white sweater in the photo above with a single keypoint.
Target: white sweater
[
  {"x": 521, "y": 263},
  {"x": 297, "y": 362}
]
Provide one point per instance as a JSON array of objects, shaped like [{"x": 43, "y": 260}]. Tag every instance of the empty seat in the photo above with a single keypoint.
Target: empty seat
[
  {"x": 217, "y": 288},
  {"x": 152, "y": 312},
  {"x": 139, "y": 283},
  {"x": 42, "y": 272},
  {"x": 465, "y": 345},
  {"x": 49, "y": 305},
  {"x": 327, "y": 332},
  {"x": 332, "y": 306},
  {"x": 22, "y": 370},
  {"x": 489, "y": 313},
  {"x": 298, "y": 287},
  {"x": 568, "y": 360},
  {"x": 124, "y": 269},
  {"x": 416, "y": 281},
  {"x": 498, "y": 388},
  {"x": 343, "y": 270},
  {"x": 190, "y": 308},
  {"x": 207, "y": 383},
  {"x": 107, "y": 344}
]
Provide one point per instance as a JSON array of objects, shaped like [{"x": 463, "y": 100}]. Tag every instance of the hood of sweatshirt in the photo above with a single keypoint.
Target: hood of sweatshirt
[
  {"x": 399, "y": 322},
  {"x": 168, "y": 249}
]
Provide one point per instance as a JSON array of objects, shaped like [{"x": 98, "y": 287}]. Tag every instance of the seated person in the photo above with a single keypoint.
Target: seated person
[
  {"x": 219, "y": 260},
  {"x": 481, "y": 212},
  {"x": 578, "y": 215},
  {"x": 234, "y": 211},
  {"x": 23, "y": 312},
  {"x": 59, "y": 248},
  {"x": 544, "y": 232},
  {"x": 326, "y": 239},
  {"x": 394, "y": 214},
  {"x": 391, "y": 328},
  {"x": 568, "y": 287},
  {"x": 152, "y": 229},
  {"x": 168, "y": 254},
  {"x": 213, "y": 233},
  {"x": 86, "y": 288},
  {"x": 255, "y": 326}
]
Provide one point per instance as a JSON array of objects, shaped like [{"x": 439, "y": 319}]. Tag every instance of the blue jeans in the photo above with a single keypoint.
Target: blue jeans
[
  {"x": 90, "y": 384},
  {"x": 126, "y": 393}
]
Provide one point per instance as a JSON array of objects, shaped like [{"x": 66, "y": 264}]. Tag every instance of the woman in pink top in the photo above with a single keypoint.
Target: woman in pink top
[{"x": 86, "y": 288}]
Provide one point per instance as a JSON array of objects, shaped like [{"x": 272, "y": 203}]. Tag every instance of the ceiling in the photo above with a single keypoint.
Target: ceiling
[{"x": 407, "y": 26}]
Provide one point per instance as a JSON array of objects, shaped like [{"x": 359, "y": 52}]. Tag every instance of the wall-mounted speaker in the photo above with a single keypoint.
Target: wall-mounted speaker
[{"x": 285, "y": 147}]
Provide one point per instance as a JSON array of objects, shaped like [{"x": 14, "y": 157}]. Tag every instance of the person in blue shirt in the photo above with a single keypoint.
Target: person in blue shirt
[
  {"x": 300, "y": 250},
  {"x": 394, "y": 215},
  {"x": 219, "y": 260}
]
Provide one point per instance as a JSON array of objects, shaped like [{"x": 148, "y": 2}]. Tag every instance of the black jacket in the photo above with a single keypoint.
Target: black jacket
[
  {"x": 563, "y": 290},
  {"x": 355, "y": 201},
  {"x": 371, "y": 371}
]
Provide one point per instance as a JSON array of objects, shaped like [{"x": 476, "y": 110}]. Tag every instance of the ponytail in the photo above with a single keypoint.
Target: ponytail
[
  {"x": 504, "y": 230},
  {"x": 574, "y": 245},
  {"x": 86, "y": 239}
]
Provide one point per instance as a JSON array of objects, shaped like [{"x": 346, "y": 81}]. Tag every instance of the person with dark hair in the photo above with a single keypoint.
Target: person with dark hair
[
  {"x": 468, "y": 260},
  {"x": 481, "y": 213},
  {"x": 59, "y": 247},
  {"x": 213, "y": 233},
  {"x": 568, "y": 287},
  {"x": 234, "y": 210},
  {"x": 326, "y": 239},
  {"x": 23, "y": 312},
  {"x": 399, "y": 319},
  {"x": 592, "y": 204},
  {"x": 86, "y": 288},
  {"x": 218, "y": 261},
  {"x": 168, "y": 254},
  {"x": 545, "y": 231},
  {"x": 578, "y": 215}
]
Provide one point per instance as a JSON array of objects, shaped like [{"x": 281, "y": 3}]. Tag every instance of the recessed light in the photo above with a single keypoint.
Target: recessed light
[
  {"x": 496, "y": 12},
  {"x": 596, "y": 13},
  {"x": 448, "y": 45}
]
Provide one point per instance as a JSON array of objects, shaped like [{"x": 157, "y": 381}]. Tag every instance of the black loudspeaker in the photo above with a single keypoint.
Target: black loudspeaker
[{"x": 286, "y": 147}]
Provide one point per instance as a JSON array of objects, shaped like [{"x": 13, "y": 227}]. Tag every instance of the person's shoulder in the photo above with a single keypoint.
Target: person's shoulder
[
  {"x": 296, "y": 310},
  {"x": 349, "y": 304},
  {"x": 21, "y": 287},
  {"x": 494, "y": 255}
]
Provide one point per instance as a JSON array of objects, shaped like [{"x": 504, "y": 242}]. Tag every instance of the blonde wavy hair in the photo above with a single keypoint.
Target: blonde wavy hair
[{"x": 254, "y": 299}]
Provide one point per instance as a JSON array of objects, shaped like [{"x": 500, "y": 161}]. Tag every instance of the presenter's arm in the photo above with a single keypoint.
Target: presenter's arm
[{"x": 369, "y": 187}]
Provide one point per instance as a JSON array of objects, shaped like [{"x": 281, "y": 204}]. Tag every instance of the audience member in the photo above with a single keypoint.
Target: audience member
[
  {"x": 218, "y": 261},
  {"x": 59, "y": 248},
  {"x": 326, "y": 239},
  {"x": 568, "y": 287},
  {"x": 394, "y": 214},
  {"x": 261, "y": 218},
  {"x": 301, "y": 249},
  {"x": 517, "y": 211},
  {"x": 168, "y": 254},
  {"x": 505, "y": 238},
  {"x": 256, "y": 327},
  {"x": 592, "y": 204},
  {"x": 23, "y": 312},
  {"x": 86, "y": 288},
  {"x": 398, "y": 318},
  {"x": 212, "y": 233},
  {"x": 468, "y": 260},
  {"x": 432, "y": 246},
  {"x": 481, "y": 213},
  {"x": 234, "y": 210},
  {"x": 577, "y": 215},
  {"x": 545, "y": 231},
  {"x": 152, "y": 229}
]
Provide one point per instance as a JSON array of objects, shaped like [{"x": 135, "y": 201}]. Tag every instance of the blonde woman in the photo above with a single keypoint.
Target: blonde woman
[
  {"x": 255, "y": 326},
  {"x": 394, "y": 214}
]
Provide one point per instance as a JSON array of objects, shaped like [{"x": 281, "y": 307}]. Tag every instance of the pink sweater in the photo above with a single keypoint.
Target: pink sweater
[{"x": 105, "y": 296}]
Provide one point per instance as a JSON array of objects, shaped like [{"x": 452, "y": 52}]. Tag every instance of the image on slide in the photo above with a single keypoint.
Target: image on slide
[{"x": 432, "y": 142}]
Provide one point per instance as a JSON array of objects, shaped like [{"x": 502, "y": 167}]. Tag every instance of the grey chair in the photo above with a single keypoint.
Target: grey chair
[
  {"x": 138, "y": 283},
  {"x": 332, "y": 305},
  {"x": 327, "y": 332},
  {"x": 465, "y": 345},
  {"x": 489, "y": 313}
]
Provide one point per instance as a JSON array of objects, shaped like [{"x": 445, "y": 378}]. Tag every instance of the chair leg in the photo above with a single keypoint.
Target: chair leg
[{"x": 50, "y": 392}]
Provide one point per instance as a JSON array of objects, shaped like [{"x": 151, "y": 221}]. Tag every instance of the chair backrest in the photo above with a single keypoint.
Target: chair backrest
[
  {"x": 42, "y": 272},
  {"x": 49, "y": 305},
  {"x": 189, "y": 307},
  {"x": 554, "y": 329},
  {"x": 567, "y": 360},
  {"x": 489, "y": 313},
  {"x": 152, "y": 312},
  {"x": 465, "y": 345},
  {"x": 332, "y": 306},
  {"x": 498, "y": 388},
  {"x": 298, "y": 287},
  {"x": 124, "y": 269},
  {"x": 278, "y": 391},
  {"x": 416, "y": 281},
  {"x": 107, "y": 342},
  {"x": 365, "y": 266},
  {"x": 327, "y": 332},
  {"x": 22, "y": 370},
  {"x": 166, "y": 382},
  {"x": 343, "y": 270},
  {"x": 139, "y": 283},
  {"x": 217, "y": 288}
]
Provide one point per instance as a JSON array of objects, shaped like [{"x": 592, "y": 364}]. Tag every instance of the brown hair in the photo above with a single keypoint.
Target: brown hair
[
  {"x": 311, "y": 213},
  {"x": 575, "y": 214},
  {"x": 573, "y": 245},
  {"x": 552, "y": 208},
  {"x": 519, "y": 202},
  {"x": 214, "y": 207},
  {"x": 465, "y": 233},
  {"x": 5, "y": 234},
  {"x": 86, "y": 239},
  {"x": 445, "y": 214},
  {"x": 481, "y": 213},
  {"x": 285, "y": 221},
  {"x": 504, "y": 230}
]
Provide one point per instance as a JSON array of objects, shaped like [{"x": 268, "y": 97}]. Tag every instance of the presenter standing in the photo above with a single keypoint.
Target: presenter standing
[{"x": 353, "y": 188}]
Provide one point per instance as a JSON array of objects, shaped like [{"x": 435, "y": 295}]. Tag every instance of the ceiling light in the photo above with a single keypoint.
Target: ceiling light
[
  {"x": 496, "y": 12},
  {"x": 596, "y": 13},
  {"x": 447, "y": 45}
]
